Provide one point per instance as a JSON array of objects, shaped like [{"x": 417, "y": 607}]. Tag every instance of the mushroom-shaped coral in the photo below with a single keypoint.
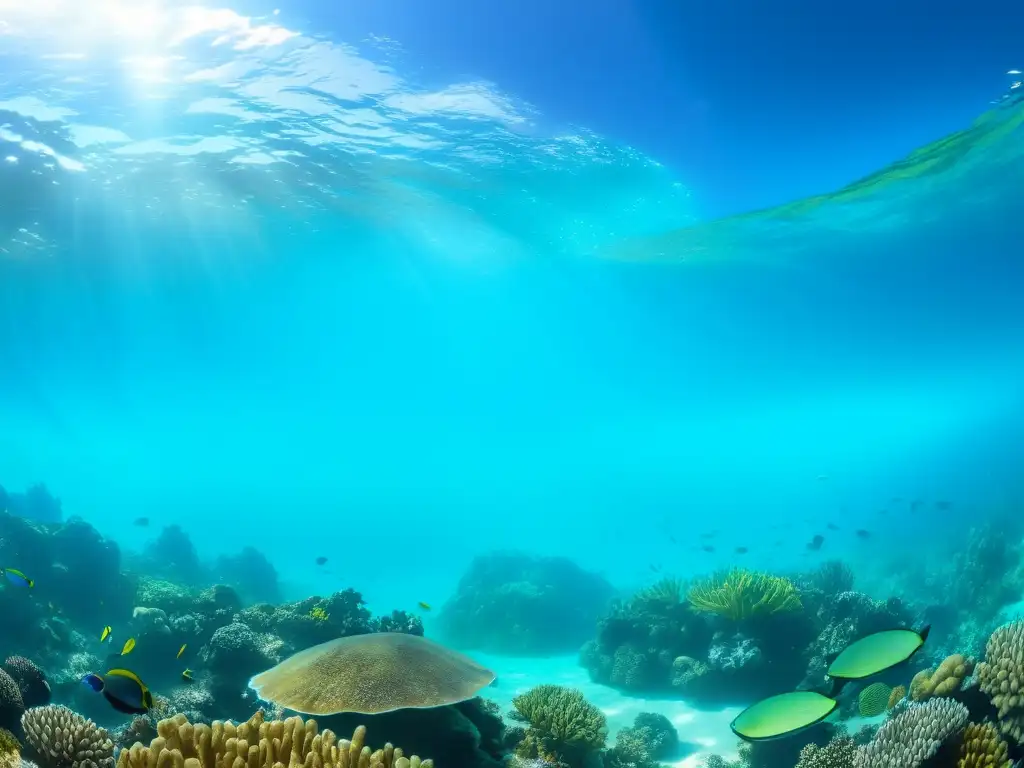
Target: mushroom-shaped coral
[
  {"x": 12, "y": 706},
  {"x": 914, "y": 734},
  {"x": 35, "y": 691},
  {"x": 1001, "y": 676},
  {"x": 942, "y": 681},
  {"x": 983, "y": 747},
  {"x": 371, "y": 674},
  {"x": 840, "y": 752},
  {"x": 260, "y": 744},
  {"x": 563, "y": 724},
  {"x": 59, "y": 738}
]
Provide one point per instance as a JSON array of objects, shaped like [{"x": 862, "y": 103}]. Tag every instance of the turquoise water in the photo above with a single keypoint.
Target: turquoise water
[{"x": 269, "y": 286}]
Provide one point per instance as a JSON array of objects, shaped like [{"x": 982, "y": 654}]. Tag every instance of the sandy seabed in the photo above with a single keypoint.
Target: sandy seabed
[{"x": 701, "y": 732}]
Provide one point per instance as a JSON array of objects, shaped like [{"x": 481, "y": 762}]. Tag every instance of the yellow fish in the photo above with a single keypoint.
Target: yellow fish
[
  {"x": 128, "y": 645},
  {"x": 424, "y": 606},
  {"x": 181, "y": 651},
  {"x": 186, "y": 675},
  {"x": 105, "y": 634}
]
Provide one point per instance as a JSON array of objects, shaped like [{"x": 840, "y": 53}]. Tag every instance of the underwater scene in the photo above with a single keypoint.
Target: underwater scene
[{"x": 357, "y": 412}]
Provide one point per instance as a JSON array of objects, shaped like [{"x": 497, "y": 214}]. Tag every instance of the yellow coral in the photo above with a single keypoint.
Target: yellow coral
[
  {"x": 740, "y": 594},
  {"x": 319, "y": 614},
  {"x": 668, "y": 591},
  {"x": 942, "y": 681},
  {"x": 983, "y": 747},
  {"x": 291, "y": 743},
  {"x": 897, "y": 695},
  {"x": 10, "y": 750}
]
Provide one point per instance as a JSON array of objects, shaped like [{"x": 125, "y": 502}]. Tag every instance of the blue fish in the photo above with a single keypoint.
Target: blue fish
[{"x": 17, "y": 578}]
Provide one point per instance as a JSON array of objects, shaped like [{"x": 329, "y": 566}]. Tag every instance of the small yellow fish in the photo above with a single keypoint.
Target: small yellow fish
[
  {"x": 181, "y": 650},
  {"x": 187, "y": 675},
  {"x": 424, "y": 606},
  {"x": 105, "y": 634},
  {"x": 128, "y": 645}
]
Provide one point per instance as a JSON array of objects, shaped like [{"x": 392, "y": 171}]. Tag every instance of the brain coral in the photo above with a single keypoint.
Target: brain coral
[
  {"x": 1001, "y": 676},
  {"x": 913, "y": 735},
  {"x": 35, "y": 691},
  {"x": 12, "y": 706},
  {"x": 260, "y": 744},
  {"x": 60, "y": 738},
  {"x": 874, "y": 699}
]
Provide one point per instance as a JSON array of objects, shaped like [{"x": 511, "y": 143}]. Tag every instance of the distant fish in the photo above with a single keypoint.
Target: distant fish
[
  {"x": 17, "y": 578},
  {"x": 1013, "y": 72},
  {"x": 709, "y": 534},
  {"x": 832, "y": 527},
  {"x": 655, "y": 568},
  {"x": 142, "y": 522},
  {"x": 123, "y": 689},
  {"x": 861, "y": 533},
  {"x": 815, "y": 544},
  {"x": 822, "y": 477},
  {"x": 672, "y": 539},
  {"x": 187, "y": 676},
  {"x": 181, "y": 650},
  {"x": 897, "y": 499},
  {"x": 708, "y": 548},
  {"x": 943, "y": 505},
  {"x": 128, "y": 645},
  {"x": 916, "y": 505},
  {"x": 883, "y": 511},
  {"x": 424, "y": 606},
  {"x": 741, "y": 550},
  {"x": 321, "y": 560},
  {"x": 783, "y": 715},
  {"x": 105, "y": 634}
]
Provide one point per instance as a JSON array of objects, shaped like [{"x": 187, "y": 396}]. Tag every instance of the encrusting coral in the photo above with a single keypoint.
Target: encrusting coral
[
  {"x": 983, "y": 747},
  {"x": 59, "y": 738},
  {"x": 945, "y": 680},
  {"x": 913, "y": 735},
  {"x": 259, "y": 743},
  {"x": 563, "y": 724},
  {"x": 1001, "y": 676},
  {"x": 740, "y": 594}
]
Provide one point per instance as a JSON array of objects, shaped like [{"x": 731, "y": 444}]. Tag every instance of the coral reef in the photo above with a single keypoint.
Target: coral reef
[
  {"x": 37, "y": 504},
  {"x": 896, "y": 696},
  {"x": 258, "y": 742},
  {"x": 983, "y": 747},
  {"x": 651, "y": 738},
  {"x": 563, "y": 725},
  {"x": 840, "y": 752},
  {"x": 944, "y": 680},
  {"x": 12, "y": 706},
  {"x": 1001, "y": 677},
  {"x": 514, "y": 603},
  {"x": 740, "y": 594},
  {"x": 874, "y": 699},
  {"x": 35, "y": 691},
  {"x": 59, "y": 738},
  {"x": 914, "y": 734}
]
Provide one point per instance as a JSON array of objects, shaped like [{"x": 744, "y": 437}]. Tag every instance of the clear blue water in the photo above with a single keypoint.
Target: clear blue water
[{"x": 272, "y": 287}]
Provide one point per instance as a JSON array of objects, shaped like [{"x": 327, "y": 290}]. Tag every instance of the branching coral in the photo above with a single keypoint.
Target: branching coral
[
  {"x": 59, "y": 738},
  {"x": 666, "y": 591},
  {"x": 838, "y": 753},
  {"x": 740, "y": 594},
  {"x": 942, "y": 681},
  {"x": 983, "y": 747},
  {"x": 913, "y": 735},
  {"x": 1001, "y": 676},
  {"x": 291, "y": 743},
  {"x": 562, "y": 722}
]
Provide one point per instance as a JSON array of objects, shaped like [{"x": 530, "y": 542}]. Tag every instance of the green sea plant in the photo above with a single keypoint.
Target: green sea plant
[
  {"x": 740, "y": 594},
  {"x": 667, "y": 591},
  {"x": 562, "y": 724}
]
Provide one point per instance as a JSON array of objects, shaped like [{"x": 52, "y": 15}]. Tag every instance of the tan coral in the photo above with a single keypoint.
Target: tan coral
[
  {"x": 943, "y": 681},
  {"x": 10, "y": 750},
  {"x": 257, "y": 743},
  {"x": 1001, "y": 676},
  {"x": 898, "y": 694}
]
